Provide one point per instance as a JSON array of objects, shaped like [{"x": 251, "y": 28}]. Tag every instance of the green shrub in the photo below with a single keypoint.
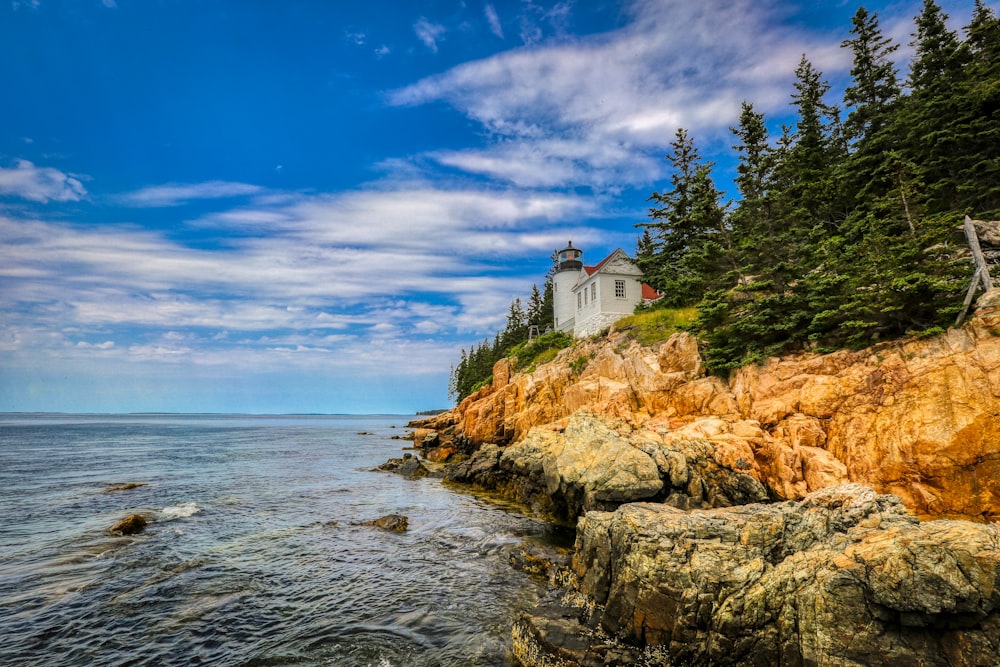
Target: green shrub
[
  {"x": 539, "y": 350},
  {"x": 649, "y": 326},
  {"x": 579, "y": 364}
]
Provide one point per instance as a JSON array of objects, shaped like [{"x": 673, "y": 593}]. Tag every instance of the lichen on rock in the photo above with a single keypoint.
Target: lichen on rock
[{"x": 843, "y": 577}]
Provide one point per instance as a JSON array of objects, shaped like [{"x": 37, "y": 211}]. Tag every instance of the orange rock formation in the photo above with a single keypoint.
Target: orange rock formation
[{"x": 918, "y": 418}]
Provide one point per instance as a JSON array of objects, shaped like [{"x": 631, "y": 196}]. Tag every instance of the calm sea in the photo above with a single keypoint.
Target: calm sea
[{"x": 251, "y": 557}]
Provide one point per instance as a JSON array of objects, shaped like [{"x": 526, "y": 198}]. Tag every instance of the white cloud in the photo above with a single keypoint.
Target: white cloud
[
  {"x": 110, "y": 4},
  {"x": 589, "y": 110},
  {"x": 106, "y": 345},
  {"x": 40, "y": 184},
  {"x": 176, "y": 194},
  {"x": 429, "y": 33},
  {"x": 320, "y": 272},
  {"x": 383, "y": 51},
  {"x": 494, "y": 20}
]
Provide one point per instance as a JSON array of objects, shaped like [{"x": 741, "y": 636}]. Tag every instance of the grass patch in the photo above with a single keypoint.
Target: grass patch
[
  {"x": 580, "y": 364},
  {"x": 539, "y": 350},
  {"x": 654, "y": 326}
]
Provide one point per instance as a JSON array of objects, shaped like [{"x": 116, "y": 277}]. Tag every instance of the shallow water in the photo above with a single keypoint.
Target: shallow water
[{"x": 251, "y": 557}]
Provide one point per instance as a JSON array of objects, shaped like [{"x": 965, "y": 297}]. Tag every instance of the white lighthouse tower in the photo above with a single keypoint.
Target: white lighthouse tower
[{"x": 568, "y": 267}]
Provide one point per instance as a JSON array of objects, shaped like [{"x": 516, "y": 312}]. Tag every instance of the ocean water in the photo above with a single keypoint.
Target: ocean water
[{"x": 252, "y": 556}]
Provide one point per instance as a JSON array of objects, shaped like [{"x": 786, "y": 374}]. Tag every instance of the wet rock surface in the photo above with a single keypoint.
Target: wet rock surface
[
  {"x": 130, "y": 525},
  {"x": 408, "y": 466},
  {"x": 394, "y": 523},
  {"x": 125, "y": 487}
]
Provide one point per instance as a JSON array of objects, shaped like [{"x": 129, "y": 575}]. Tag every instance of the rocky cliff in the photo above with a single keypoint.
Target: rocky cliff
[
  {"x": 918, "y": 418},
  {"x": 773, "y": 517}
]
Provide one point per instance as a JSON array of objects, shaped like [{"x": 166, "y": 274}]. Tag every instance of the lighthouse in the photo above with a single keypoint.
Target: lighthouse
[{"x": 568, "y": 266}]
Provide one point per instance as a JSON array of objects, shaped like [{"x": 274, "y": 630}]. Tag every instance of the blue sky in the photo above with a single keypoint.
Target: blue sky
[{"x": 306, "y": 206}]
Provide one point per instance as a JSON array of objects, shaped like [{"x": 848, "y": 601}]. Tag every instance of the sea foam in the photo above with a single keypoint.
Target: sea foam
[{"x": 178, "y": 511}]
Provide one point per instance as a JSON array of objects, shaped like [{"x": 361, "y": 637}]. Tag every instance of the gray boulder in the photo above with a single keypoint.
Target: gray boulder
[{"x": 843, "y": 577}]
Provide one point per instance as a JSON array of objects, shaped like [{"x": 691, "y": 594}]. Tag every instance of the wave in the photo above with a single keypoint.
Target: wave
[{"x": 178, "y": 511}]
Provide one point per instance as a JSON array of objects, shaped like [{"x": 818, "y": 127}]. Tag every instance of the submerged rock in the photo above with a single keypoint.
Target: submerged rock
[
  {"x": 125, "y": 487},
  {"x": 843, "y": 577},
  {"x": 549, "y": 562},
  {"x": 394, "y": 523},
  {"x": 130, "y": 525},
  {"x": 562, "y": 632}
]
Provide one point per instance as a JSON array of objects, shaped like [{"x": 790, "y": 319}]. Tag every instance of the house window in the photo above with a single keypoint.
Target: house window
[
  {"x": 619, "y": 289},
  {"x": 579, "y": 300},
  {"x": 593, "y": 292}
]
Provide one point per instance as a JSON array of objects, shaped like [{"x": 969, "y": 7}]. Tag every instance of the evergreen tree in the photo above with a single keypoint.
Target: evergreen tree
[
  {"x": 872, "y": 98},
  {"x": 516, "y": 330},
  {"x": 809, "y": 178},
  {"x": 756, "y": 234},
  {"x": 979, "y": 176},
  {"x": 535, "y": 307},
  {"x": 931, "y": 116},
  {"x": 547, "y": 316},
  {"x": 875, "y": 87},
  {"x": 688, "y": 228}
]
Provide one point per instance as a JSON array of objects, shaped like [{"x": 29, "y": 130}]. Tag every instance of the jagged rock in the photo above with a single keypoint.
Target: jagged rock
[
  {"x": 843, "y": 577},
  {"x": 440, "y": 454},
  {"x": 425, "y": 438},
  {"x": 587, "y": 466},
  {"x": 555, "y": 634},
  {"x": 394, "y": 523},
  {"x": 482, "y": 468},
  {"x": 130, "y": 525},
  {"x": 585, "y": 463},
  {"x": 408, "y": 466}
]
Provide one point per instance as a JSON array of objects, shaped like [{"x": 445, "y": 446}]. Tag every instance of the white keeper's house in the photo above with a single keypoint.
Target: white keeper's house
[{"x": 588, "y": 299}]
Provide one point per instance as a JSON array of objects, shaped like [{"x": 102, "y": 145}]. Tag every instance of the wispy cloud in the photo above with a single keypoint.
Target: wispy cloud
[
  {"x": 337, "y": 281},
  {"x": 589, "y": 109},
  {"x": 493, "y": 20},
  {"x": 39, "y": 184},
  {"x": 176, "y": 194},
  {"x": 429, "y": 33}
]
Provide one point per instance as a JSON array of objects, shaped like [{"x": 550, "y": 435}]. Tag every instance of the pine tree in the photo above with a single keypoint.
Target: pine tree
[
  {"x": 872, "y": 98},
  {"x": 931, "y": 114},
  {"x": 516, "y": 330},
  {"x": 688, "y": 228},
  {"x": 810, "y": 165},
  {"x": 979, "y": 177},
  {"x": 754, "y": 225},
  {"x": 547, "y": 316},
  {"x": 535, "y": 308}
]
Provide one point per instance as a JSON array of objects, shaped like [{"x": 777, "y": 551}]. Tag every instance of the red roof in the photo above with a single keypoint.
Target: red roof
[
  {"x": 648, "y": 293},
  {"x": 591, "y": 270}
]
